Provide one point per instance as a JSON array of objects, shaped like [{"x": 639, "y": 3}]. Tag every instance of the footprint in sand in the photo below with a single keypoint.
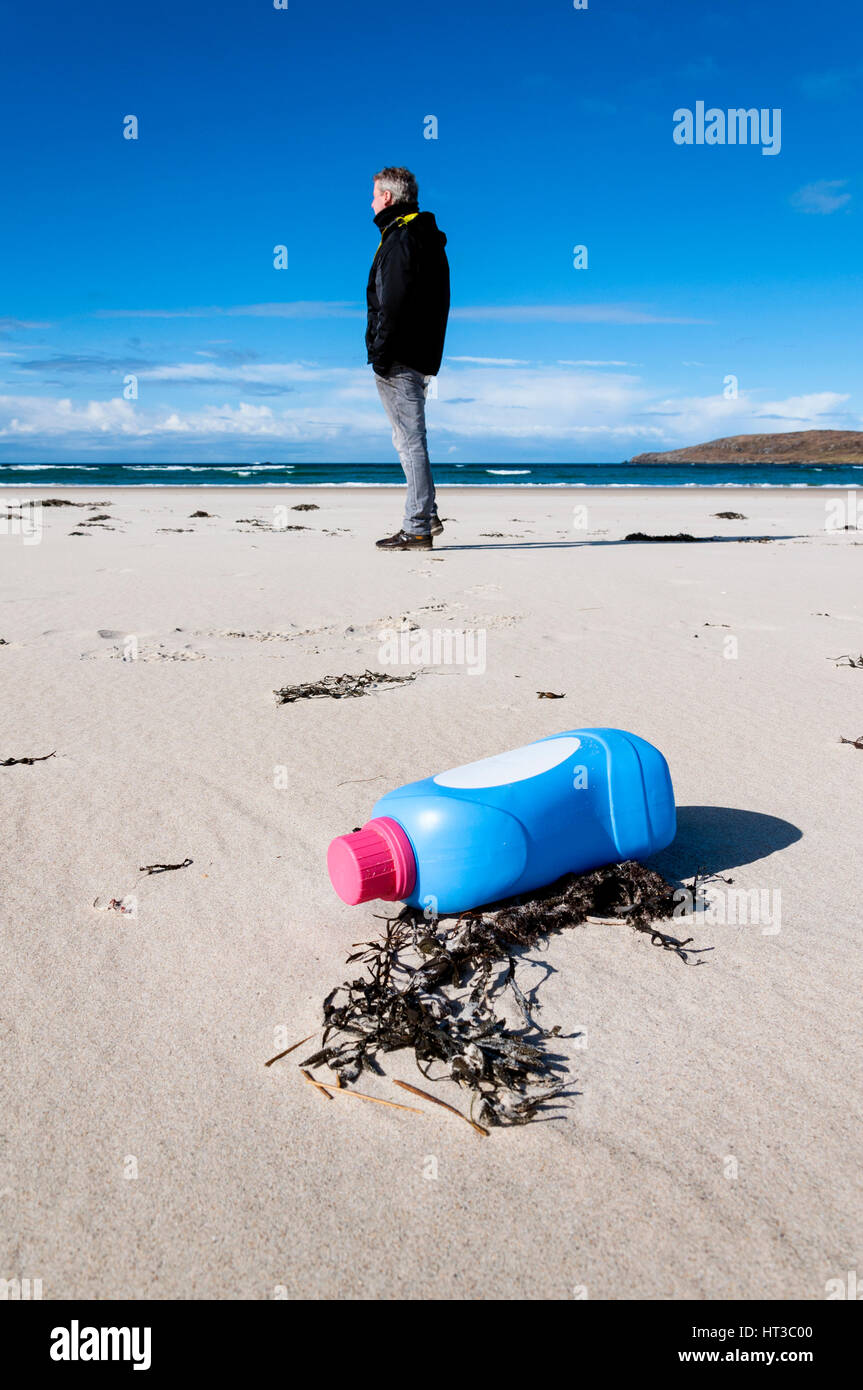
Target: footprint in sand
[
  {"x": 257, "y": 636},
  {"x": 132, "y": 648}
]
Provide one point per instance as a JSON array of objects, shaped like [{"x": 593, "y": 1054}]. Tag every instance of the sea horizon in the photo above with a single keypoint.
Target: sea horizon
[{"x": 371, "y": 475}]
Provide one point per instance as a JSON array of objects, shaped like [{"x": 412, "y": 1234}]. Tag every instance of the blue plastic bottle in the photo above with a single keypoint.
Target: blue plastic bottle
[{"x": 510, "y": 823}]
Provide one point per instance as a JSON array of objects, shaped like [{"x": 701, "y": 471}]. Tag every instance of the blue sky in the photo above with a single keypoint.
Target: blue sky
[{"x": 260, "y": 127}]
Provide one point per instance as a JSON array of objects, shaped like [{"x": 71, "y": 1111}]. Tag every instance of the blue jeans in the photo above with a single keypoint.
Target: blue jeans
[{"x": 403, "y": 396}]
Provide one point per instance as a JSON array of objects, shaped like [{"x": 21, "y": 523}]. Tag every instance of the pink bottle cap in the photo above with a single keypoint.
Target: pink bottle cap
[{"x": 375, "y": 862}]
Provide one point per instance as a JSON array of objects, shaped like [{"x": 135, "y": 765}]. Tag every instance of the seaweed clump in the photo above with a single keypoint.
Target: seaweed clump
[
  {"x": 338, "y": 687},
  {"x": 643, "y": 536},
  {"x": 65, "y": 502},
  {"x": 28, "y": 762},
  {"x": 436, "y": 986}
]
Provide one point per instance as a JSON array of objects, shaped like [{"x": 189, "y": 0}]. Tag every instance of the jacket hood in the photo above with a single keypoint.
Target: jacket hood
[
  {"x": 426, "y": 228},
  {"x": 423, "y": 225}
]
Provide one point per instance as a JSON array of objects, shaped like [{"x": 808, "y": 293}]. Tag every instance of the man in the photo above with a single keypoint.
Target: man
[{"x": 408, "y": 305}]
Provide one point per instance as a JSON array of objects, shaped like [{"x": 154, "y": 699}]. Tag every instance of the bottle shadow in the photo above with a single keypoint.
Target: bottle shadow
[{"x": 711, "y": 839}]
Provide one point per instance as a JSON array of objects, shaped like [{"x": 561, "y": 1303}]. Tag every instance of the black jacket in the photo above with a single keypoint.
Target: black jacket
[{"x": 408, "y": 292}]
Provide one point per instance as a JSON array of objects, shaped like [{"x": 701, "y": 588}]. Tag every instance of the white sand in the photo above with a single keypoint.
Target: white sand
[{"x": 144, "y": 1037}]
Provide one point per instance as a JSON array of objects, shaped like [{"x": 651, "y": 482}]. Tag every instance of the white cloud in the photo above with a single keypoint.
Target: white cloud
[
  {"x": 49, "y": 418},
  {"x": 477, "y": 403},
  {"x": 296, "y": 309},
  {"x": 301, "y": 309},
  {"x": 253, "y": 374},
  {"x": 565, "y": 313},
  {"x": 823, "y": 197},
  {"x": 700, "y": 418},
  {"x": 831, "y": 85},
  {"x": 493, "y": 361},
  {"x": 348, "y": 309},
  {"x": 810, "y": 408},
  {"x": 8, "y": 325}
]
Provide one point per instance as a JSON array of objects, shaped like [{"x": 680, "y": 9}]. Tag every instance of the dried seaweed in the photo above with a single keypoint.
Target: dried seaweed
[
  {"x": 436, "y": 986},
  {"x": 685, "y": 536},
  {"x": 549, "y": 695},
  {"x": 643, "y": 536},
  {"x": 192, "y": 515},
  {"x": 64, "y": 502},
  {"x": 729, "y": 516},
  {"x": 163, "y": 868},
  {"x": 13, "y": 762},
  {"x": 339, "y": 687},
  {"x": 855, "y": 742},
  {"x": 306, "y": 507},
  {"x": 258, "y": 525},
  {"x": 854, "y": 661}
]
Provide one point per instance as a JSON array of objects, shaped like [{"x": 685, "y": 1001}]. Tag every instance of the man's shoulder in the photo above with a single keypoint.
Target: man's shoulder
[{"x": 425, "y": 232}]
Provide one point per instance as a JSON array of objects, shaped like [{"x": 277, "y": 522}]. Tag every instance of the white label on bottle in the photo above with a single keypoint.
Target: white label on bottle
[{"x": 517, "y": 766}]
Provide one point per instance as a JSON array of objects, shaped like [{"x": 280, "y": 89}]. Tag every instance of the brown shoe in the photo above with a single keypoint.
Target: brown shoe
[{"x": 402, "y": 541}]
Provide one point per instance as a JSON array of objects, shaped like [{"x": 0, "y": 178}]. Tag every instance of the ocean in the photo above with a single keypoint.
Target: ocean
[{"x": 104, "y": 475}]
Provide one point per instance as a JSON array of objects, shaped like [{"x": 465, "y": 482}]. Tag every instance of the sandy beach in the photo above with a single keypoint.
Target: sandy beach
[{"x": 709, "y": 1145}]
